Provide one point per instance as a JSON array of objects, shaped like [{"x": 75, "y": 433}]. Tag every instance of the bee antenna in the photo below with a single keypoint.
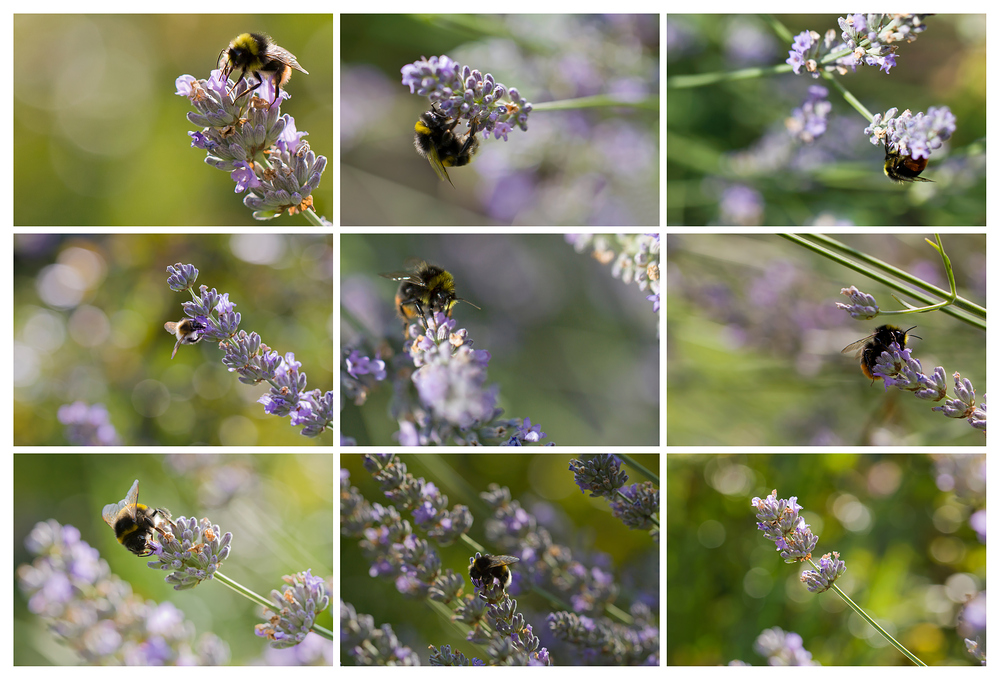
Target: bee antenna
[{"x": 480, "y": 308}]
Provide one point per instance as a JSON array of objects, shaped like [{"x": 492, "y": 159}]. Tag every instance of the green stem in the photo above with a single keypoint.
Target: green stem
[{"x": 863, "y": 614}]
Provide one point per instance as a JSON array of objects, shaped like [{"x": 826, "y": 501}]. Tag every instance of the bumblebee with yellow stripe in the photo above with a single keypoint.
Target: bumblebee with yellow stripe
[
  {"x": 424, "y": 288},
  {"x": 258, "y": 54},
  {"x": 435, "y": 140},
  {"x": 900, "y": 168},
  {"x": 134, "y": 523}
]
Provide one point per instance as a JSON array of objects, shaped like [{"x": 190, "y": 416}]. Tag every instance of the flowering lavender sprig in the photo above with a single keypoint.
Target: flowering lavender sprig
[
  {"x": 510, "y": 640},
  {"x": 96, "y": 614},
  {"x": 781, "y": 523},
  {"x": 899, "y": 369},
  {"x": 88, "y": 425},
  {"x": 428, "y": 505},
  {"x": 867, "y": 39},
  {"x": 453, "y": 402},
  {"x": 464, "y": 93},
  {"x": 192, "y": 550},
  {"x": 912, "y": 135},
  {"x": 606, "y": 642},
  {"x": 638, "y": 259},
  {"x": 252, "y": 360},
  {"x": 371, "y": 646},
  {"x": 389, "y": 543},
  {"x": 977, "y": 649},
  {"x": 783, "y": 649},
  {"x": 293, "y": 615},
  {"x": 863, "y": 306},
  {"x": 636, "y": 505},
  {"x": 808, "y": 122},
  {"x": 249, "y": 137}
]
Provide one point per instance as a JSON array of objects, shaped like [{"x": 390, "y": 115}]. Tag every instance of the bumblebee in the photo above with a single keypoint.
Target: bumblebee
[
  {"x": 870, "y": 348},
  {"x": 900, "y": 168},
  {"x": 187, "y": 332},
  {"x": 134, "y": 522},
  {"x": 257, "y": 53},
  {"x": 424, "y": 287},
  {"x": 435, "y": 140},
  {"x": 485, "y": 568}
]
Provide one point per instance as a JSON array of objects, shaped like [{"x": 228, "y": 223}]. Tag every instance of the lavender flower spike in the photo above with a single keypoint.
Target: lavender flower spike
[{"x": 830, "y": 569}]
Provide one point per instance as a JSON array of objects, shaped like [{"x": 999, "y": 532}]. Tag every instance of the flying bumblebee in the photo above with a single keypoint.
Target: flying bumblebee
[
  {"x": 435, "y": 140},
  {"x": 485, "y": 568},
  {"x": 424, "y": 288},
  {"x": 134, "y": 522},
  {"x": 187, "y": 332},
  {"x": 900, "y": 168},
  {"x": 258, "y": 54},
  {"x": 870, "y": 348}
]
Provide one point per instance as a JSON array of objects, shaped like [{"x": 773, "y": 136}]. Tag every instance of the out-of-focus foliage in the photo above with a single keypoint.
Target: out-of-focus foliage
[
  {"x": 279, "y": 509},
  {"x": 88, "y": 326},
  {"x": 731, "y": 160},
  {"x": 100, "y": 137},
  {"x": 571, "y": 347},
  {"x": 912, "y": 558},
  {"x": 754, "y": 342}
]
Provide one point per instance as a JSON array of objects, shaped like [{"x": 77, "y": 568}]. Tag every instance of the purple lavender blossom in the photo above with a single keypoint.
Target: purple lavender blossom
[
  {"x": 830, "y": 569},
  {"x": 252, "y": 360},
  {"x": 783, "y": 649}
]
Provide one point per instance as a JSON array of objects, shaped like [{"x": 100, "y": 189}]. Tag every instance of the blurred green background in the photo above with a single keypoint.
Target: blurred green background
[
  {"x": 88, "y": 325},
  {"x": 912, "y": 558},
  {"x": 728, "y": 137},
  {"x": 753, "y": 329},
  {"x": 279, "y": 509},
  {"x": 101, "y": 138},
  {"x": 590, "y": 166},
  {"x": 544, "y": 486},
  {"x": 572, "y": 348}
]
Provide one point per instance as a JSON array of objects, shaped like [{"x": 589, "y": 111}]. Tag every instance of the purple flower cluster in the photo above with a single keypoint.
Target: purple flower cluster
[
  {"x": 781, "y": 523},
  {"x": 295, "y": 610},
  {"x": 467, "y": 94},
  {"x": 192, "y": 550},
  {"x": 912, "y": 135},
  {"x": 863, "y": 305},
  {"x": 96, "y": 615},
  {"x": 265, "y": 155},
  {"x": 252, "y": 360},
  {"x": 830, "y": 569},
  {"x": 371, "y": 646},
  {"x": 453, "y": 401},
  {"x": 783, "y": 649},
  {"x": 808, "y": 121},
  {"x": 638, "y": 260},
  {"x": 88, "y": 425},
  {"x": 867, "y": 39}
]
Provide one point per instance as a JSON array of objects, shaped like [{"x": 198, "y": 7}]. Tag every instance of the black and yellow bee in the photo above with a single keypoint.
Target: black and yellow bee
[
  {"x": 900, "y": 168},
  {"x": 258, "y": 54},
  {"x": 187, "y": 332},
  {"x": 134, "y": 523},
  {"x": 870, "y": 348},
  {"x": 435, "y": 140},
  {"x": 424, "y": 288},
  {"x": 486, "y": 568}
]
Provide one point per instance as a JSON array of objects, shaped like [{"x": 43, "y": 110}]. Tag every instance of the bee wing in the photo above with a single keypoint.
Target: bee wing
[
  {"x": 439, "y": 169},
  {"x": 113, "y": 510},
  {"x": 858, "y": 346},
  {"x": 285, "y": 57},
  {"x": 170, "y": 327},
  {"x": 500, "y": 560}
]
